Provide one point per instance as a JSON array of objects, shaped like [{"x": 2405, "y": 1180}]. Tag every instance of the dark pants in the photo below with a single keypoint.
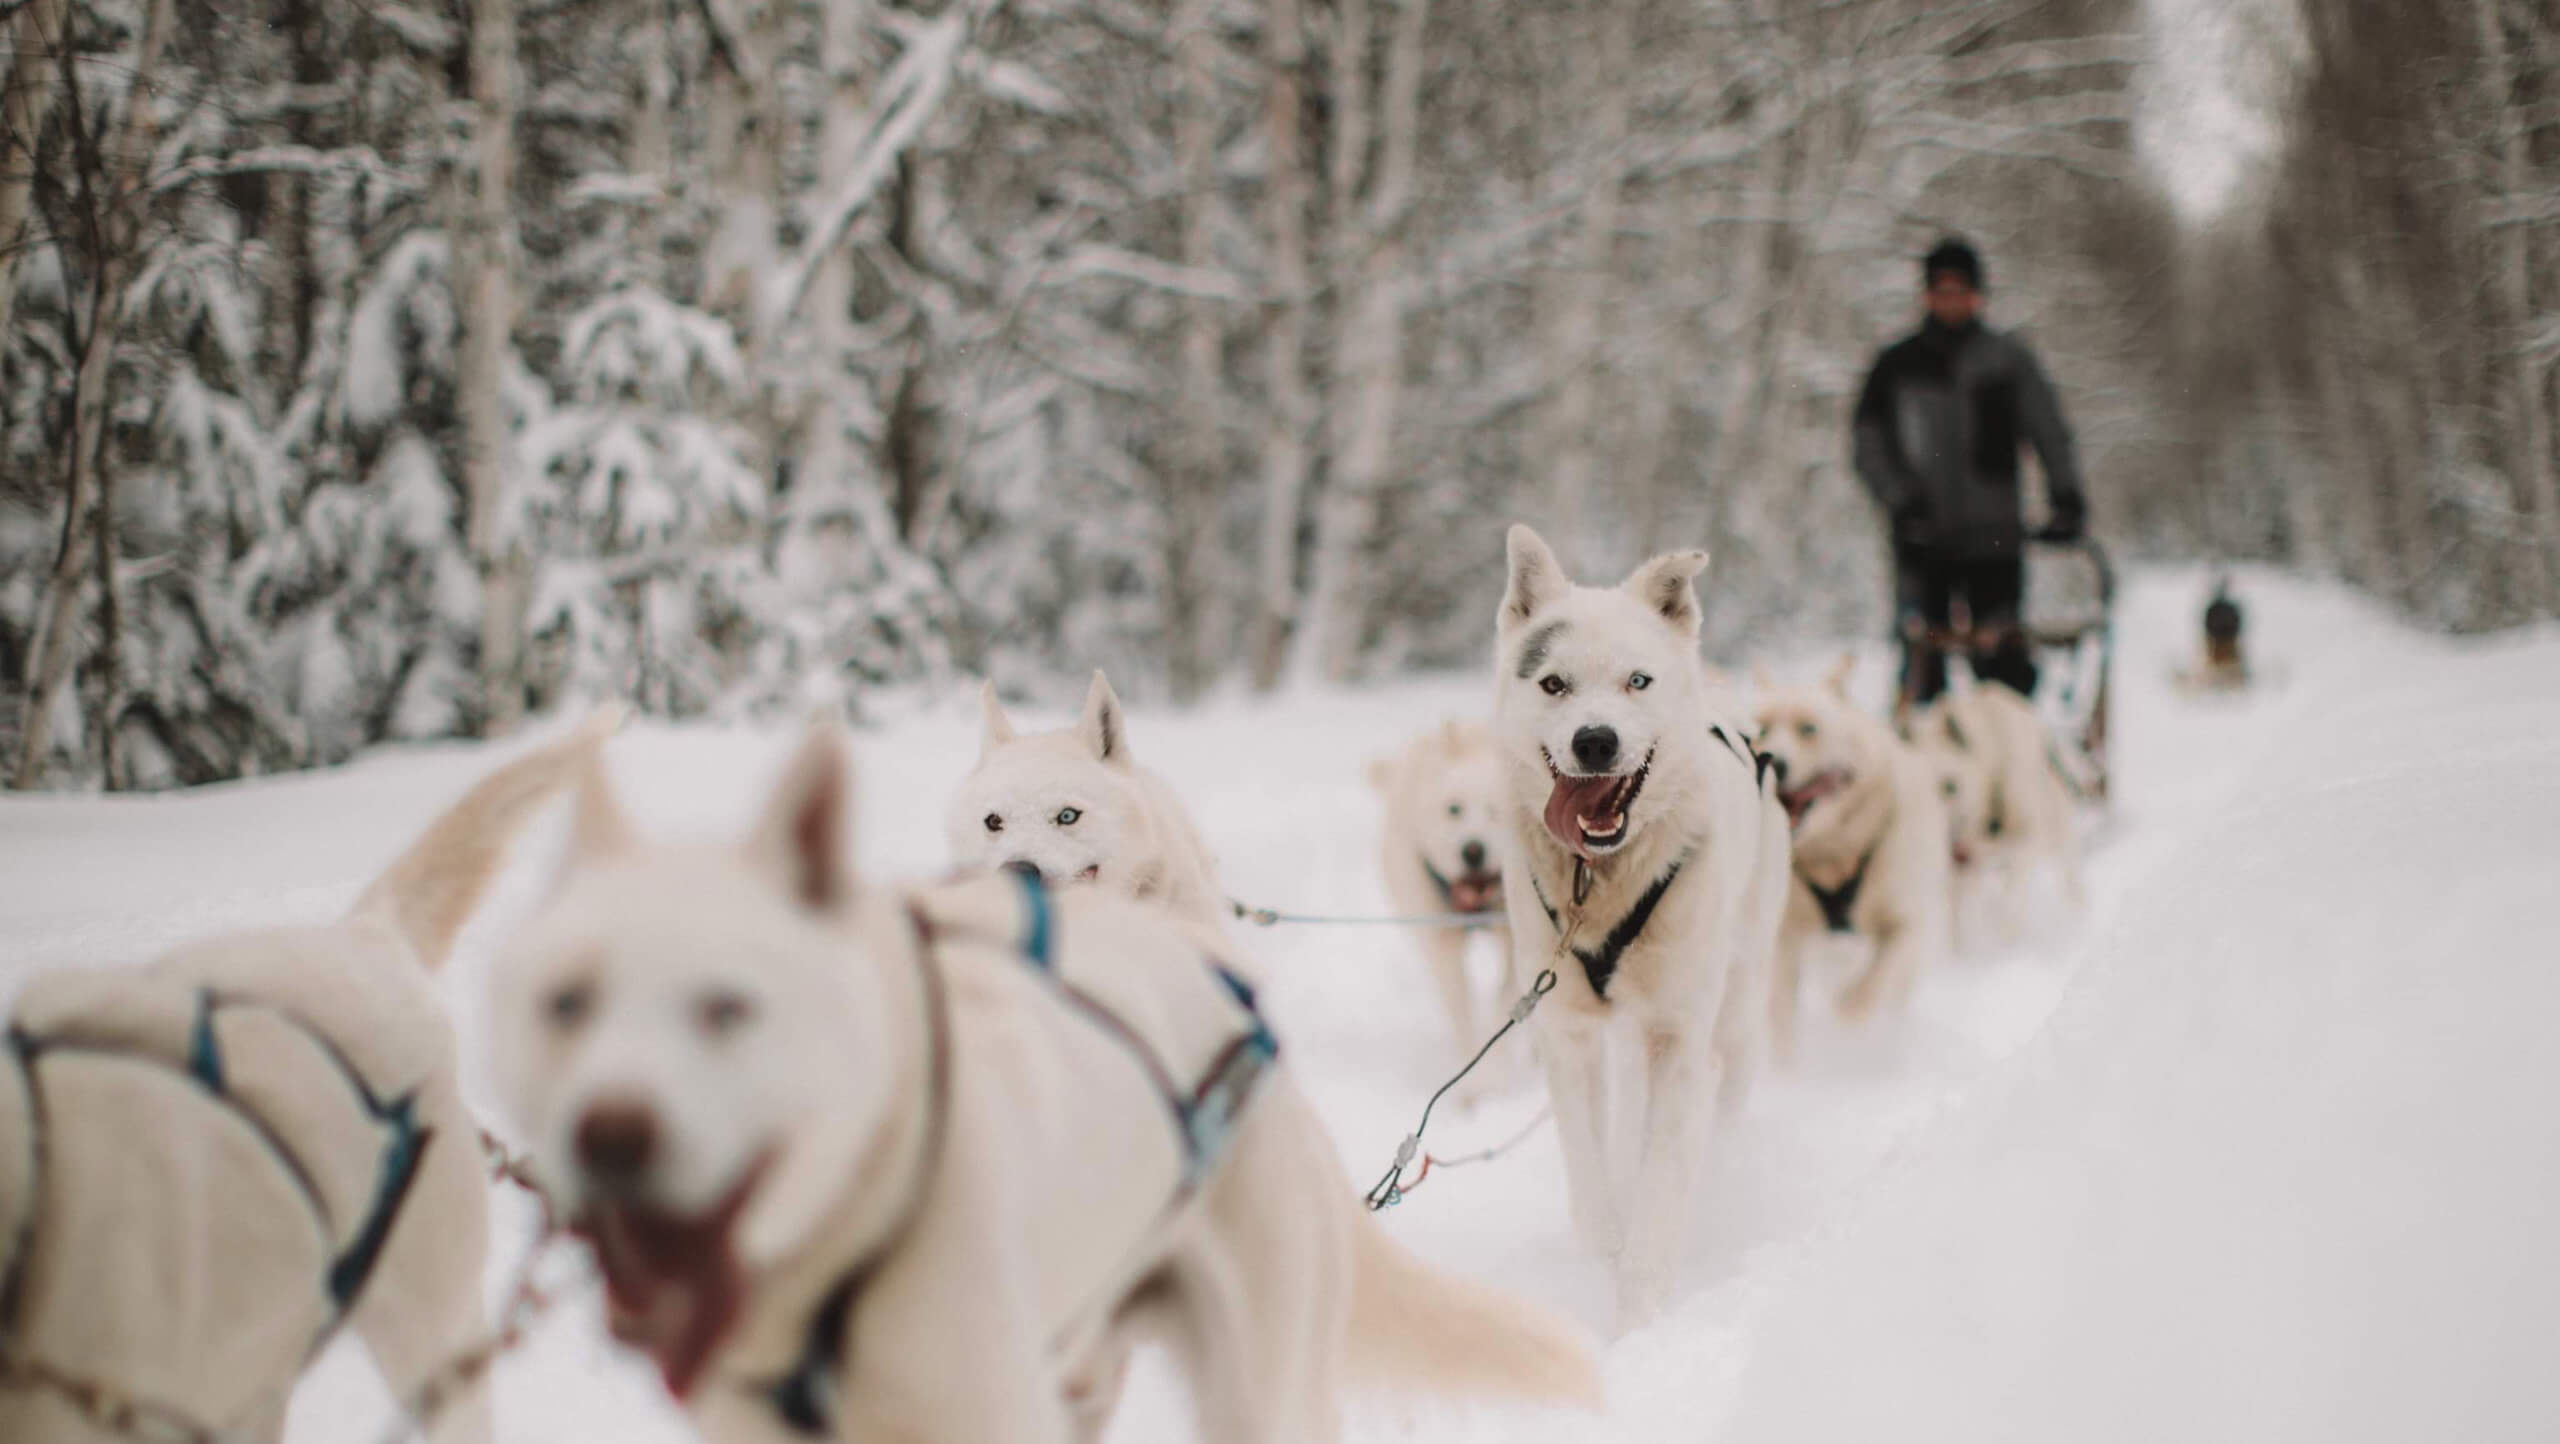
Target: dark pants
[{"x": 1928, "y": 590}]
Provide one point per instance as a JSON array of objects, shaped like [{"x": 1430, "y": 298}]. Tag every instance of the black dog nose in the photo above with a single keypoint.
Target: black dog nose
[
  {"x": 1024, "y": 866},
  {"x": 1596, "y": 748},
  {"x": 1473, "y": 856},
  {"x": 616, "y": 1141},
  {"x": 1777, "y": 766}
]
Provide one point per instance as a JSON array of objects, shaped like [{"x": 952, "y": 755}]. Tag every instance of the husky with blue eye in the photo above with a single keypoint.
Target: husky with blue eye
[
  {"x": 1074, "y": 806},
  {"x": 1646, "y": 865}
]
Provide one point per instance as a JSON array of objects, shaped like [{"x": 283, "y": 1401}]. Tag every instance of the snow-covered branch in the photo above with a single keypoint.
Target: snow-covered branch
[{"x": 909, "y": 97}]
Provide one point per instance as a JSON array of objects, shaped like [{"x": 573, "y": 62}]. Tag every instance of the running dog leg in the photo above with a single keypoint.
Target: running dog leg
[
  {"x": 1899, "y": 952},
  {"x": 1682, "y": 1073},
  {"x": 1576, "y": 1054}
]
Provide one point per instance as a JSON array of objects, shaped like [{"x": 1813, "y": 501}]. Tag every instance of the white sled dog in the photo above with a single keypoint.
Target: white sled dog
[
  {"x": 1075, "y": 806},
  {"x": 1871, "y": 849},
  {"x": 2011, "y": 813},
  {"x": 862, "y": 1163},
  {"x": 1440, "y": 853},
  {"x": 1646, "y": 863},
  {"x": 210, "y": 1164}
]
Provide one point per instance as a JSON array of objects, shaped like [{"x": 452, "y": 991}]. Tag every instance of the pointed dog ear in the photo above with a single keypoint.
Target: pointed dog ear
[
  {"x": 803, "y": 839},
  {"x": 1838, "y": 680},
  {"x": 994, "y": 728},
  {"x": 1668, "y": 584},
  {"x": 1537, "y": 578},
  {"x": 1102, "y": 726},
  {"x": 598, "y": 828}
]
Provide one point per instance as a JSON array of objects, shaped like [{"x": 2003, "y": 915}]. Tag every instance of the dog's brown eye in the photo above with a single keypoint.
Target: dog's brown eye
[
  {"x": 1552, "y": 685},
  {"x": 994, "y": 823},
  {"x": 1067, "y": 816},
  {"x": 1638, "y": 682},
  {"x": 569, "y": 1006},
  {"x": 723, "y": 1012}
]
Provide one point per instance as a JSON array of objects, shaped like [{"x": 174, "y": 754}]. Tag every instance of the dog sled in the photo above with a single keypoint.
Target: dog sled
[{"x": 2069, "y": 628}]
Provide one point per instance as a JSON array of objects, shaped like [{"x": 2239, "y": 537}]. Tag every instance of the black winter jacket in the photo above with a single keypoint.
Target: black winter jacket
[{"x": 1937, "y": 435}]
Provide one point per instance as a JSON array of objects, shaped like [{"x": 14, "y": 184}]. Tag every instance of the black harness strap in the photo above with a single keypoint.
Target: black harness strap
[
  {"x": 1753, "y": 757},
  {"x": 1837, "y": 902},
  {"x": 1600, "y": 964}
]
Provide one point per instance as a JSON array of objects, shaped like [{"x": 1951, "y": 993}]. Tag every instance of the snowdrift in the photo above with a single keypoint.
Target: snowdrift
[{"x": 2262, "y": 1147}]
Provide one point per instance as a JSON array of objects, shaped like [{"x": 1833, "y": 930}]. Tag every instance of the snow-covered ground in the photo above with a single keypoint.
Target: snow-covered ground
[{"x": 2264, "y": 1145}]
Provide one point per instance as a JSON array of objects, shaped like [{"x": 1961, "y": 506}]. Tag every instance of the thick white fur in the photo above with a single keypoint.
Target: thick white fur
[
  {"x": 1443, "y": 793},
  {"x": 1036, "y": 1243},
  {"x": 1129, "y": 831},
  {"x": 1635, "y": 1075},
  {"x": 2011, "y": 814},
  {"x": 171, "y": 1256},
  {"x": 1889, "y": 814}
]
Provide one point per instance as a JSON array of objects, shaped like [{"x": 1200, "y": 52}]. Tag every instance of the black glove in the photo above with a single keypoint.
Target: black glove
[{"x": 2066, "y": 527}]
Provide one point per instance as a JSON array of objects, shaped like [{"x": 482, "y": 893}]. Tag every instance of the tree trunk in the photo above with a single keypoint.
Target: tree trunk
[
  {"x": 1572, "y": 448},
  {"x": 1369, "y": 358},
  {"x": 108, "y": 178},
  {"x": 483, "y": 266},
  {"x": 1193, "y": 471},
  {"x": 1284, "y": 447},
  {"x": 35, "y": 35},
  {"x": 110, "y": 656},
  {"x": 2537, "y": 478}
]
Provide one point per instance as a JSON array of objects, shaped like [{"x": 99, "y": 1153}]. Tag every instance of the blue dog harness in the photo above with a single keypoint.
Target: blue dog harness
[
  {"x": 1204, "y": 1115},
  {"x": 404, "y": 1141}
]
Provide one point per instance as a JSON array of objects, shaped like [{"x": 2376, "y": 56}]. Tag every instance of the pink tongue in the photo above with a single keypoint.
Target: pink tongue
[{"x": 1576, "y": 798}]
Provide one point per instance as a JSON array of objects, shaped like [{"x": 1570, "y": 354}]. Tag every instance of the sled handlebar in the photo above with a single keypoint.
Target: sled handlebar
[{"x": 2099, "y": 566}]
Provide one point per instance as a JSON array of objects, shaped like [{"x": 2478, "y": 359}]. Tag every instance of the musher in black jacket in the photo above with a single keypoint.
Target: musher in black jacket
[{"x": 1938, "y": 430}]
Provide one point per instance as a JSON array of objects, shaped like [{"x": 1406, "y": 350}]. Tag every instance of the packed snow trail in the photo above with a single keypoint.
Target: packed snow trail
[{"x": 2251, "y": 1141}]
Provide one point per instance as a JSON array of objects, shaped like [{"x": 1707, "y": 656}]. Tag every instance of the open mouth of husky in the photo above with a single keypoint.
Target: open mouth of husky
[
  {"x": 1799, "y": 800},
  {"x": 1478, "y": 890},
  {"x": 1589, "y": 814},
  {"x": 673, "y": 1285}
]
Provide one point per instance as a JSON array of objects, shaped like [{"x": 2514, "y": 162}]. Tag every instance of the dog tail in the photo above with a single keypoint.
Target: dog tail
[
  {"x": 1414, "y": 1326},
  {"x": 431, "y": 889}
]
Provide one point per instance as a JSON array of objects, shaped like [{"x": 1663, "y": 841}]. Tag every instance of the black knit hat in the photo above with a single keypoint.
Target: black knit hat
[{"x": 1952, "y": 256}]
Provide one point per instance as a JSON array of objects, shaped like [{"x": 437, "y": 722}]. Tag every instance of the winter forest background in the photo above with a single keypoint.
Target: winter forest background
[{"x": 386, "y": 368}]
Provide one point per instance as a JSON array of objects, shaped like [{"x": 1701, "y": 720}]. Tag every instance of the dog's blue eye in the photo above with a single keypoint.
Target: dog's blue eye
[
  {"x": 1639, "y": 682},
  {"x": 1455, "y": 810},
  {"x": 1067, "y": 816},
  {"x": 994, "y": 823},
  {"x": 1552, "y": 685},
  {"x": 1805, "y": 730}
]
